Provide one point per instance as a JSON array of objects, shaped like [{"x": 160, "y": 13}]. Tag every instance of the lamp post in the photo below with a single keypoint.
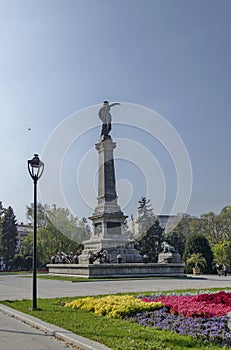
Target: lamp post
[{"x": 35, "y": 168}]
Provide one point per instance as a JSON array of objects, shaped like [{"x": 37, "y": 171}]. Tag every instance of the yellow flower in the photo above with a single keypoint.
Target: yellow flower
[{"x": 113, "y": 306}]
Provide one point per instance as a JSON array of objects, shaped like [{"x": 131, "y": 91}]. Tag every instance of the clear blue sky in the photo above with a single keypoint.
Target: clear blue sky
[{"x": 172, "y": 56}]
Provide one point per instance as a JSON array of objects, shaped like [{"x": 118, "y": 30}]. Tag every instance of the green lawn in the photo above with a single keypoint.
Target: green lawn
[
  {"x": 115, "y": 333},
  {"x": 84, "y": 279}
]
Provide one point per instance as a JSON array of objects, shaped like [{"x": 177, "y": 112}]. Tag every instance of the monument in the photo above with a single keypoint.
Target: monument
[
  {"x": 109, "y": 252},
  {"x": 108, "y": 220}
]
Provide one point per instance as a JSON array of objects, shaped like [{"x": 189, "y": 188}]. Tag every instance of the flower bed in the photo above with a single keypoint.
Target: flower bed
[{"x": 202, "y": 316}]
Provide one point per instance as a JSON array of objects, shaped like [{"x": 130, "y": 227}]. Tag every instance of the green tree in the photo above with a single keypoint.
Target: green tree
[
  {"x": 49, "y": 242},
  {"x": 222, "y": 253},
  {"x": 26, "y": 245},
  {"x": 225, "y": 217},
  {"x": 212, "y": 227},
  {"x": 62, "y": 232},
  {"x": 197, "y": 243},
  {"x": 217, "y": 228},
  {"x": 18, "y": 261},
  {"x": 150, "y": 232},
  {"x": 42, "y": 217},
  {"x": 187, "y": 225},
  {"x": 184, "y": 225},
  {"x": 1, "y": 221},
  {"x": 9, "y": 236},
  {"x": 146, "y": 217},
  {"x": 65, "y": 222},
  {"x": 177, "y": 239},
  {"x": 84, "y": 231},
  {"x": 150, "y": 242},
  {"x": 76, "y": 229}
]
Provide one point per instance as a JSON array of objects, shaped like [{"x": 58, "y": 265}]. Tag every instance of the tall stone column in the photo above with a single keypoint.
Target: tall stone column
[
  {"x": 106, "y": 172},
  {"x": 108, "y": 219}
]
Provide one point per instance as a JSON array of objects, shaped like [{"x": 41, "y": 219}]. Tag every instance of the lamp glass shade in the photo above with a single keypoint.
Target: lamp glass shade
[{"x": 35, "y": 167}]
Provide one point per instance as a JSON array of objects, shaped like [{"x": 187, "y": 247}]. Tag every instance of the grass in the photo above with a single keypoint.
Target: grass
[
  {"x": 115, "y": 333},
  {"x": 10, "y": 273},
  {"x": 90, "y": 279}
]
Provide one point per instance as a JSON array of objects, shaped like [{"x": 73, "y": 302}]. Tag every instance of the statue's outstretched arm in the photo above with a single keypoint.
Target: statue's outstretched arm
[{"x": 115, "y": 104}]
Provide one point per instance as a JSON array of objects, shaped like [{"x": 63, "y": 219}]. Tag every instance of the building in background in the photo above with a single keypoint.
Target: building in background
[{"x": 166, "y": 221}]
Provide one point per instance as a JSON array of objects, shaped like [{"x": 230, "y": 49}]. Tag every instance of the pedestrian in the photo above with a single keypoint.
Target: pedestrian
[{"x": 225, "y": 270}]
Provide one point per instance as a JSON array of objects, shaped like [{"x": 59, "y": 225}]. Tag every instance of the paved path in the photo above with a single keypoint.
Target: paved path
[
  {"x": 18, "y": 335},
  {"x": 20, "y": 287},
  {"x": 37, "y": 335}
]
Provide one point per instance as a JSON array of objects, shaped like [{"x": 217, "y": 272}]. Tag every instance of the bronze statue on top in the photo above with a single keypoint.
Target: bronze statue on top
[{"x": 105, "y": 116}]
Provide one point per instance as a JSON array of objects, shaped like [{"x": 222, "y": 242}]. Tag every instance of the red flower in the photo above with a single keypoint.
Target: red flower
[{"x": 201, "y": 305}]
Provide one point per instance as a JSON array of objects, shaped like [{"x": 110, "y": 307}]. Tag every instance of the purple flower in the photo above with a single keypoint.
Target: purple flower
[{"x": 214, "y": 329}]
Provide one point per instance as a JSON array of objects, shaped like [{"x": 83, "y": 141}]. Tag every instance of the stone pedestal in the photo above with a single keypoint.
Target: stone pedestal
[
  {"x": 108, "y": 218},
  {"x": 116, "y": 270},
  {"x": 169, "y": 257}
]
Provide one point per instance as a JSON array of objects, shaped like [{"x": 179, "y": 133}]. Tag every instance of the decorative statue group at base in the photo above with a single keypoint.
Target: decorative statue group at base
[
  {"x": 62, "y": 258},
  {"x": 167, "y": 248},
  {"x": 102, "y": 256}
]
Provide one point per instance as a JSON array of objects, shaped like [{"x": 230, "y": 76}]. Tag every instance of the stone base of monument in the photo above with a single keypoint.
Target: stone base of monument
[
  {"x": 112, "y": 248},
  {"x": 117, "y": 270},
  {"x": 121, "y": 261},
  {"x": 169, "y": 257}
]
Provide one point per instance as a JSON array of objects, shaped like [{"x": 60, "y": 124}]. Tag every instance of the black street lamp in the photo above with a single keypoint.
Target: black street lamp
[{"x": 35, "y": 168}]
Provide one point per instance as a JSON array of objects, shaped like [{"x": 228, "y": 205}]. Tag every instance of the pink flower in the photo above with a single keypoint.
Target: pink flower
[{"x": 201, "y": 305}]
